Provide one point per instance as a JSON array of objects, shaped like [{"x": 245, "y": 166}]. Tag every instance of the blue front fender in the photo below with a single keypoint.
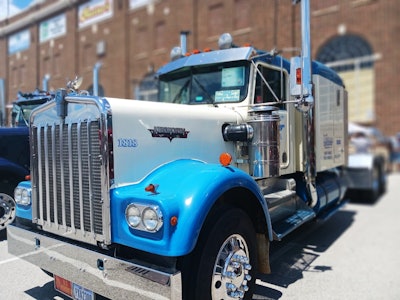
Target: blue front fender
[{"x": 187, "y": 189}]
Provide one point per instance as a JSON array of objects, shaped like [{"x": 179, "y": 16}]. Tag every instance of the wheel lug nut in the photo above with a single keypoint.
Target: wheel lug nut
[{"x": 247, "y": 267}]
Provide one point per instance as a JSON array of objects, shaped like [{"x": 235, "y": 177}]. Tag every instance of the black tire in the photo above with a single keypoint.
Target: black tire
[
  {"x": 224, "y": 261},
  {"x": 382, "y": 180},
  {"x": 372, "y": 195}
]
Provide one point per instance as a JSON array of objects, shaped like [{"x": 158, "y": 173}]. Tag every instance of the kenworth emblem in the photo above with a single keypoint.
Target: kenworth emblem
[{"x": 169, "y": 132}]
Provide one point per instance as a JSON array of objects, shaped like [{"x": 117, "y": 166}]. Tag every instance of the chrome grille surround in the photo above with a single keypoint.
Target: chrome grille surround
[{"x": 70, "y": 169}]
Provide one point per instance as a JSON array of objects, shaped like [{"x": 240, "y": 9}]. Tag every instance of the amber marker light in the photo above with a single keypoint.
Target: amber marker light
[
  {"x": 225, "y": 159},
  {"x": 173, "y": 221},
  {"x": 298, "y": 76},
  {"x": 28, "y": 177},
  {"x": 152, "y": 188}
]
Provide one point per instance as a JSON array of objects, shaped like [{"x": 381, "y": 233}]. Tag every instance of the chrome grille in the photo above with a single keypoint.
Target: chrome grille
[{"x": 68, "y": 179}]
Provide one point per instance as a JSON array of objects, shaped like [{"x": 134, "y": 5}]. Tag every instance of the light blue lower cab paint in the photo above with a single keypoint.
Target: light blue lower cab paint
[{"x": 187, "y": 189}]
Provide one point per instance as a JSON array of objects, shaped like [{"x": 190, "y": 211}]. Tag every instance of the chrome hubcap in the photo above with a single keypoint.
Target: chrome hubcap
[
  {"x": 7, "y": 210},
  {"x": 231, "y": 270}
]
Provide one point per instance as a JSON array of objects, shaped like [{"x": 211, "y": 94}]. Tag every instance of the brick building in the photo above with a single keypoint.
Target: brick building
[{"x": 53, "y": 41}]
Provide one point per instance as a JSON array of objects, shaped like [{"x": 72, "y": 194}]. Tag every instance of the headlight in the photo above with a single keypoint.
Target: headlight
[
  {"x": 152, "y": 218},
  {"x": 132, "y": 215},
  {"x": 22, "y": 196},
  {"x": 18, "y": 195},
  {"x": 143, "y": 217}
]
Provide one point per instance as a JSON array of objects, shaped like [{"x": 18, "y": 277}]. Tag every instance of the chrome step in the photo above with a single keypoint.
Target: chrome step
[
  {"x": 286, "y": 225},
  {"x": 286, "y": 209}
]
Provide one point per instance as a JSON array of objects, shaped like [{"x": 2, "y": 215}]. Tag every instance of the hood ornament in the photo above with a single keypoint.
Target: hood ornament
[{"x": 73, "y": 85}]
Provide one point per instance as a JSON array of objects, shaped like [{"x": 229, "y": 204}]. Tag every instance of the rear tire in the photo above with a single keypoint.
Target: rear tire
[{"x": 224, "y": 263}]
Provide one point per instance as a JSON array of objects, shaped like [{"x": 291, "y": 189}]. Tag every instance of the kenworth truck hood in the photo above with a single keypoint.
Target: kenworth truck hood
[{"x": 147, "y": 135}]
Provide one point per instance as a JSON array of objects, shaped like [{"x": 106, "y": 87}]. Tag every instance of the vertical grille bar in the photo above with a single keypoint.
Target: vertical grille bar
[
  {"x": 54, "y": 171},
  {"x": 46, "y": 171},
  {"x": 62, "y": 169},
  {"x": 79, "y": 133},
  {"x": 71, "y": 178},
  {"x": 40, "y": 174},
  {"x": 90, "y": 180}
]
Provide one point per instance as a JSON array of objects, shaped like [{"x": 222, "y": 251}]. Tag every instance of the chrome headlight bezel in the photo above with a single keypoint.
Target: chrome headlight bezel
[
  {"x": 142, "y": 217},
  {"x": 22, "y": 196},
  {"x": 152, "y": 218}
]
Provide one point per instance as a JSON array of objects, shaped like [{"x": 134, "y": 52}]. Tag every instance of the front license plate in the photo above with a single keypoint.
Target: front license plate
[
  {"x": 73, "y": 290},
  {"x": 80, "y": 293}
]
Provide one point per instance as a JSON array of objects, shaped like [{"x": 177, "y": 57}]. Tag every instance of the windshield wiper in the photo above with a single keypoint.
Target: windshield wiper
[
  {"x": 210, "y": 99},
  {"x": 184, "y": 87}
]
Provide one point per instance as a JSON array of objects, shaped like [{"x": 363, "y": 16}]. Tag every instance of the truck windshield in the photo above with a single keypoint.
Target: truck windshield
[
  {"x": 21, "y": 111},
  {"x": 217, "y": 83}
]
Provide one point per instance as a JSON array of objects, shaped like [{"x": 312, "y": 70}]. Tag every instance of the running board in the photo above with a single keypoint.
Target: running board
[{"x": 301, "y": 215}]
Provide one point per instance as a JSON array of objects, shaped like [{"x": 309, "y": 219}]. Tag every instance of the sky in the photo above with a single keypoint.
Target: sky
[{"x": 12, "y": 7}]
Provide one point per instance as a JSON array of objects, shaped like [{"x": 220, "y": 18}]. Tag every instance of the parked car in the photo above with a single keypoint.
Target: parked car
[{"x": 369, "y": 150}]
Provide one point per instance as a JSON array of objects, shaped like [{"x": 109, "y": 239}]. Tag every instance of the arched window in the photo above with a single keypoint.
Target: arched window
[
  {"x": 353, "y": 58},
  {"x": 345, "y": 49}
]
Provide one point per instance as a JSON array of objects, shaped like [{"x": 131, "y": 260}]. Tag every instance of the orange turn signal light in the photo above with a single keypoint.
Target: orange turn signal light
[
  {"x": 225, "y": 159},
  {"x": 173, "y": 221}
]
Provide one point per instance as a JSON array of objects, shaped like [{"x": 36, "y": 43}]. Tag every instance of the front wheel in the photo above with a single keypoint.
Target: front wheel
[{"x": 225, "y": 259}]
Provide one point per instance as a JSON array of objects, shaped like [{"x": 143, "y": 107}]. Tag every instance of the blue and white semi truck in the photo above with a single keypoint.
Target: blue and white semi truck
[{"x": 180, "y": 198}]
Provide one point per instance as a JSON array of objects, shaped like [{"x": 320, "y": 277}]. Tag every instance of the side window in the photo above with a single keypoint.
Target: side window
[{"x": 276, "y": 82}]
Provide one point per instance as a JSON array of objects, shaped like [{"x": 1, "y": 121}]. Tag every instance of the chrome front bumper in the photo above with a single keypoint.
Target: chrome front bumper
[{"x": 104, "y": 275}]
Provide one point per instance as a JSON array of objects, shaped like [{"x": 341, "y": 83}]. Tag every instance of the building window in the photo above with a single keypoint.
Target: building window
[
  {"x": 22, "y": 75},
  {"x": 14, "y": 77},
  {"x": 57, "y": 64},
  {"x": 352, "y": 57},
  {"x": 141, "y": 43},
  {"x": 242, "y": 14},
  {"x": 343, "y": 48},
  {"x": 160, "y": 35},
  {"x": 216, "y": 20},
  {"x": 88, "y": 57}
]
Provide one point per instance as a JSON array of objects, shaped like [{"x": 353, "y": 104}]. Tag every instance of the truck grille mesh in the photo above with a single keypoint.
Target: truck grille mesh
[{"x": 67, "y": 178}]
